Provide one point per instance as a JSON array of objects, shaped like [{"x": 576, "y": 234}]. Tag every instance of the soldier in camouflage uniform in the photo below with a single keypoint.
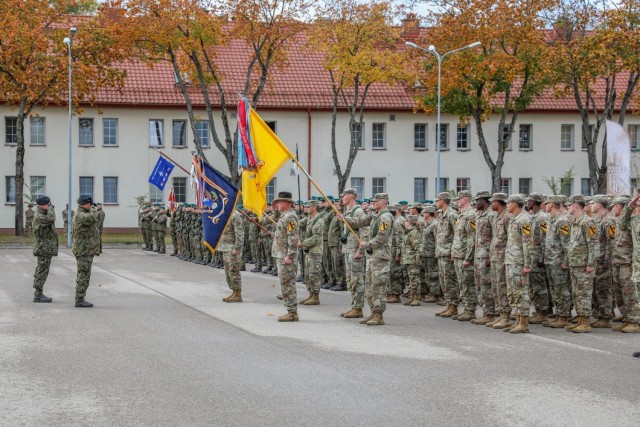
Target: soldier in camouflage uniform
[
  {"x": 444, "y": 239},
  {"x": 462, "y": 255},
  {"x": 396, "y": 275},
  {"x": 45, "y": 245},
  {"x": 145, "y": 228},
  {"x": 86, "y": 245},
  {"x": 325, "y": 214},
  {"x": 285, "y": 251},
  {"x": 411, "y": 259},
  {"x": 254, "y": 241},
  {"x": 28, "y": 220},
  {"x": 312, "y": 245},
  {"x": 428, "y": 251},
  {"x": 173, "y": 225},
  {"x": 539, "y": 293},
  {"x": 231, "y": 246},
  {"x": 337, "y": 259},
  {"x": 518, "y": 261},
  {"x": 196, "y": 236},
  {"x": 269, "y": 225},
  {"x": 582, "y": 254},
  {"x": 602, "y": 296},
  {"x": 555, "y": 255},
  {"x": 302, "y": 228},
  {"x": 155, "y": 243},
  {"x": 627, "y": 279},
  {"x": 499, "y": 234},
  {"x": 482, "y": 257},
  {"x": 161, "y": 225}
]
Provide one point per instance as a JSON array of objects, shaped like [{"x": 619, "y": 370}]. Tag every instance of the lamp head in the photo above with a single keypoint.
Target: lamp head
[
  {"x": 411, "y": 44},
  {"x": 474, "y": 44},
  {"x": 67, "y": 41},
  {"x": 73, "y": 30},
  {"x": 431, "y": 48}
]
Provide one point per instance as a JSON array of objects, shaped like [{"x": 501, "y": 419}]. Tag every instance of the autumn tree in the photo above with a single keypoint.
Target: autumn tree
[
  {"x": 34, "y": 65},
  {"x": 500, "y": 78},
  {"x": 360, "y": 47},
  {"x": 596, "y": 60}
]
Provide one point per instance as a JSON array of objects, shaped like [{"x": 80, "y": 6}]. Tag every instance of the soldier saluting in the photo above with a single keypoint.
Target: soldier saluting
[{"x": 45, "y": 245}]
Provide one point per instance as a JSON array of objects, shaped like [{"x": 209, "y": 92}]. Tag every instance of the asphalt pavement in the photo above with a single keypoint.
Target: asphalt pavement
[{"x": 160, "y": 348}]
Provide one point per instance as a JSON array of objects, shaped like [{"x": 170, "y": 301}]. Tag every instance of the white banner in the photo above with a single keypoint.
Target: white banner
[{"x": 618, "y": 160}]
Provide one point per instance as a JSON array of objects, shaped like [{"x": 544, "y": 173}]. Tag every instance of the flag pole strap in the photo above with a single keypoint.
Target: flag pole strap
[{"x": 327, "y": 199}]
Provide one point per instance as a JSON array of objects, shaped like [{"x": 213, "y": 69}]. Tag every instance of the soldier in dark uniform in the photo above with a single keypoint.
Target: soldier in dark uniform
[
  {"x": 86, "y": 245},
  {"x": 45, "y": 245}
]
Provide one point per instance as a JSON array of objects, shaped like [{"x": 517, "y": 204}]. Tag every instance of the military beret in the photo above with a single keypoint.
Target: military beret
[
  {"x": 403, "y": 203},
  {"x": 427, "y": 202},
  {"x": 554, "y": 198},
  {"x": 445, "y": 195},
  {"x": 358, "y": 201},
  {"x": 429, "y": 209},
  {"x": 42, "y": 200},
  {"x": 517, "y": 198},
  {"x": 84, "y": 199},
  {"x": 621, "y": 200},
  {"x": 312, "y": 203},
  {"x": 600, "y": 198},
  {"x": 499, "y": 196},
  {"x": 482, "y": 195},
  {"x": 98, "y": 204},
  {"x": 380, "y": 196},
  {"x": 535, "y": 197},
  {"x": 578, "y": 198},
  {"x": 368, "y": 200},
  {"x": 413, "y": 219},
  {"x": 464, "y": 193}
]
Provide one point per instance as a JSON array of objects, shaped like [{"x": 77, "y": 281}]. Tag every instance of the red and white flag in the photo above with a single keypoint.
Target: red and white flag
[{"x": 172, "y": 200}]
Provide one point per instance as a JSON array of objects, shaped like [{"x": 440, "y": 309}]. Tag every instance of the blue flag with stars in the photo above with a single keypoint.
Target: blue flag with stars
[{"x": 161, "y": 172}]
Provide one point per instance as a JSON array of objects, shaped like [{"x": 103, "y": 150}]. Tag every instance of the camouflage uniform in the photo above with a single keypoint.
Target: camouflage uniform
[
  {"x": 428, "y": 251},
  {"x": 145, "y": 228},
  {"x": 602, "y": 296},
  {"x": 28, "y": 222},
  {"x": 498, "y": 248},
  {"x": 582, "y": 252},
  {"x": 354, "y": 266},
  {"x": 626, "y": 264},
  {"x": 285, "y": 241},
  {"x": 313, "y": 247},
  {"x": 411, "y": 246},
  {"x": 555, "y": 254},
  {"x": 256, "y": 248},
  {"x": 397, "y": 269},
  {"x": 446, "y": 271},
  {"x": 173, "y": 224},
  {"x": 462, "y": 250},
  {"x": 482, "y": 260},
  {"x": 160, "y": 222},
  {"x": 86, "y": 245},
  {"x": 337, "y": 259},
  {"x": 233, "y": 240},
  {"x": 45, "y": 245},
  {"x": 327, "y": 269},
  {"x": 519, "y": 255},
  {"x": 539, "y": 293}
]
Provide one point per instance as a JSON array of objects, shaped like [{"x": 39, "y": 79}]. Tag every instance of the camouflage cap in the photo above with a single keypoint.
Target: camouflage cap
[
  {"x": 312, "y": 203},
  {"x": 380, "y": 196},
  {"x": 564, "y": 198},
  {"x": 578, "y": 198},
  {"x": 621, "y": 200},
  {"x": 588, "y": 199},
  {"x": 429, "y": 209},
  {"x": 413, "y": 219},
  {"x": 600, "y": 198},
  {"x": 445, "y": 195},
  {"x": 394, "y": 207},
  {"x": 499, "y": 196},
  {"x": 554, "y": 198},
  {"x": 463, "y": 193},
  {"x": 352, "y": 191},
  {"x": 535, "y": 197},
  {"x": 482, "y": 195},
  {"x": 517, "y": 198},
  {"x": 415, "y": 206}
]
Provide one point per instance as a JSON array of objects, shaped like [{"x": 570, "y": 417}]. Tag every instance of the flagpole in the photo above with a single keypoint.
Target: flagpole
[
  {"x": 327, "y": 199},
  {"x": 252, "y": 220},
  {"x": 172, "y": 161}
]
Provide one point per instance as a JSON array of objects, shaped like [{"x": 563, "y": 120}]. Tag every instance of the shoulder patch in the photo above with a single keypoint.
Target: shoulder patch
[
  {"x": 564, "y": 230},
  {"x": 592, "y": 230},
  {"x": 473, "y": 224},
  {"x": 526, "y": 229},
  {"x": 383, "y": 225},
  {"x": 612, "y": 230},
  {"x": 543, "y": 227},
  {"x": 291, "y": 226}
]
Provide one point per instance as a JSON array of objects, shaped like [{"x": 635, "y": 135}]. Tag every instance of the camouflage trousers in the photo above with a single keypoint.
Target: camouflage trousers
[
  {"x": 196, "y": 247},
  {"x": 256, "y": 253},
  {"x": 287, "y": 276},
  {"x": 174, "y": 241},
  {"x": 518, "y": 289},
  {"x": 423, "y": 276},
  {"x": 337, "y": 262},
  {"x": 560, "y": 283},
  {"x": 582, "y": 289},
  {"x": 413, "y": 271},
  {"x": 268, "y": 260},
  {"x": 499, "y": 286},
  {"x": 84, "y": 275},
  {"x": 466, "y": 285},
  {"x": 302, "y": 262},
  {"x": 376, "y": 282},
  {"x": 448, "y": 280},
  {"x": 160, "y": 243},
  {"x": 232, "y": 265},
  {"x": 327, "y": 268},
  {"x": 186, "y": 245},
  {"x": 602, "y": 296},
  {"x": 538, "y": 291},
  {"x": 313, "y": 272},
  {"x": 396, "y": 277},
  {"x": 482, "y": 276},
  {"x": 146, "y": 237},
  {"x": 42, "y": 272},
  {"x": 355, "y": 279},
  {"x": 433, "y": 284},
  {"x": 628, "y": 290}
]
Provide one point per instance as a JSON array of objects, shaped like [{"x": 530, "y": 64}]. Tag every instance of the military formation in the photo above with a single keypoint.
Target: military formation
[{"x": 565, "y": 263}]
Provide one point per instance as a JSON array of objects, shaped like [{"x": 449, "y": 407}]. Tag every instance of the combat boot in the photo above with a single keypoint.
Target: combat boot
[
  {"x": 306, "y": 299},
  {"x": 233, "y": 294},
  {"x": 431, "y": 299},
  {"x": 300, "y": 279},
  {"x": 494, "y": 321},
  {"x": 466, "y": 316},
  {"x": 274, "y": 272},
  {"x": 415, "y": 302},
  {"x": 583, "y": 326},
  {"x": 355, "y": 313},
  {"x": 236, "y": 296},
  {"x": 522, "y": 327},
  {"x": 393, "y": 299},
  {"x": 313, "y": 300},
  {"x": 601, "y": 323},
  {"x": 618, "y": 319},
  {"x": 83, "y": 304},
  {"x": 40, "y": 297},
  {"x": 620, "y": 327},
  {"x": 483, "y": 320},
  {"x": 504, "y": 322},
  {"x": 256, "y": 270},
  {"x": 630, "y": 328},
  {"x": 376, "y": 320},
  {"x": 561, "y": 322},
  {"x": 451, "y": 311},
  {"x": 446, "y": 310},
  {"x": 408, "y": 301},
  {"x": 538, "y": 318},
  {"x": 266, "y": 270},
  {"x": 510, "y": 327},
  {"x": 291, "y": 316},
  {"x": 364, "y": 321}
]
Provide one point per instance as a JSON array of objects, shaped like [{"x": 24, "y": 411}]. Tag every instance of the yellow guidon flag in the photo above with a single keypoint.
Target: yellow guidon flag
[{"x": 268, "y": 153}]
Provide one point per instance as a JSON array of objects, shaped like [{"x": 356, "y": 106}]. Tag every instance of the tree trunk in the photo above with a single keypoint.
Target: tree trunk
[{"x": 19, "y": 214}]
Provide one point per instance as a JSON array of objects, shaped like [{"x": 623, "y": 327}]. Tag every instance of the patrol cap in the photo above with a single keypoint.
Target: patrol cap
[
  {"x": 588, "y": 199},
  {"x": 464, "y": 193},
  {"x": 621, "y": 200},
  {"x": 554, "y": 198},
  {"x": 413, "y": 219},
  {"x": 445, "y": 195},
  {"x": 499, "y": 196},
  {"x": 578, "y": 198},
  {"x": 84, "y": 199},
  {"x": 394, "y": 207},
  {"x": 564, "y": 198},
  {"x": 535, "y": 197},
  {"x": 429, "y": 209},
  {"x": 312, "y": 203},
  {"x": 415, "y": 206},
  {"x": 380, "y": 196},
  {"x": 517, "y": 198},
  {"x": 600, "y": 198},
  {"x": 42, "y": 200},
  {"x": 482, "y": 195},
  {"x": 349, "y": 191}
]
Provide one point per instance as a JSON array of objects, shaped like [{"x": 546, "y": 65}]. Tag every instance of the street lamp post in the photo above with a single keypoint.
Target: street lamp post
[
  {"x": 68, "y": 41},
  {"x": 439, "y": 58}
]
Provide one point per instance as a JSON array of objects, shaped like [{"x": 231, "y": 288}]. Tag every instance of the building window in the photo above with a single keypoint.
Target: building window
[
  {"x": 357, "y": 132},
  {"x": 86, "y": 185},
  {"x": 358, "y": 184},
  {"x": 110, "y": 132},
  {"x": 585, "y": 186},
  {"x": 179, "y": 133},
  {"x": 10, "y": 187},
  {"x": 632, "y": 130},
  {"x": 589, "y": 135},
  {"x": 444, "y": 185},
  {"x": 506, "y": 137},
  {"x": 37, "y": 130},
  {"x": 38, "y": 186},
  {"x": 566, "y": 186},
  {"x": 526, "y": 138},
  {"x": 505, "y": 185},
  {"x": 378, "y": 131},
  {"x": 566, "y": 137},
  {"x": 444, "y": 136},
  {"x": 462, "y": 137},
  {"x": 419, "y": 189},
  {"x": 180, "y": 189},
  {"x": 11, "y": 130},
  {"x": 420, "y": 136},
  {"x": 378, "y": 185},
  {"x": 524, "y": 185},
  {"x": 110, "y": 190},
  {"x": 202, "y": 127},
  {"x": 155, "y": 194},
  {"x": 156, "y": 129},
  {"x": 273, "y": 125},
  {"x": 271, "y": 189},
  {"x": 462, "y": 184},
  {"x": 86, "y": 131}
]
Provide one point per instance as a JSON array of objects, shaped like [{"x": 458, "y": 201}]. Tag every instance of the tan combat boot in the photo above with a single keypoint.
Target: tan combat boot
[
  {"x": 631, "y": 328},
  {"x": 355, "y": 313},
  {"x": 451, "y": 311},
  {"x": 306, "y": 299},
  {"x": 431, "y": 299},
  {"x": 393, "y": 299},
  {"x": 560, "y": 322},
  {"x": 446, "y": 310},
  {"x": 409, "y": 300},
  {"x": 415, "y": 301},
  {"x": 466, "y": 316},
  {"x": 487, "y": 318},
  {"x": 583, "y": 326},
  {"x": 313, "y": 300},
  {"x": 505, "y": 321},
  {"x": 376, "y": 320},
  {"x": 346, "y": 312},
  {"x": 235, "y": 297},
  {"x": 364, "y": 321},
  {"x": 233, "y": 294},
  {"x": 601, "y": 323},
  {"x": 495, "y": 321},
  {"x": 522, "y": 327},
  {"x": 291, "y": 316},
  {"x": 538, "y": 318},
  {"x": 620, "y": 327},
  {"x": 510, "y": 327}
]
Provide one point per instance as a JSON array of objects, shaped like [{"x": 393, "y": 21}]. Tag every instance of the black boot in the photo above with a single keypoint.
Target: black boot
[
  {"x": 83, "y": 304},
  {"x": 42, "y": 298}
]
